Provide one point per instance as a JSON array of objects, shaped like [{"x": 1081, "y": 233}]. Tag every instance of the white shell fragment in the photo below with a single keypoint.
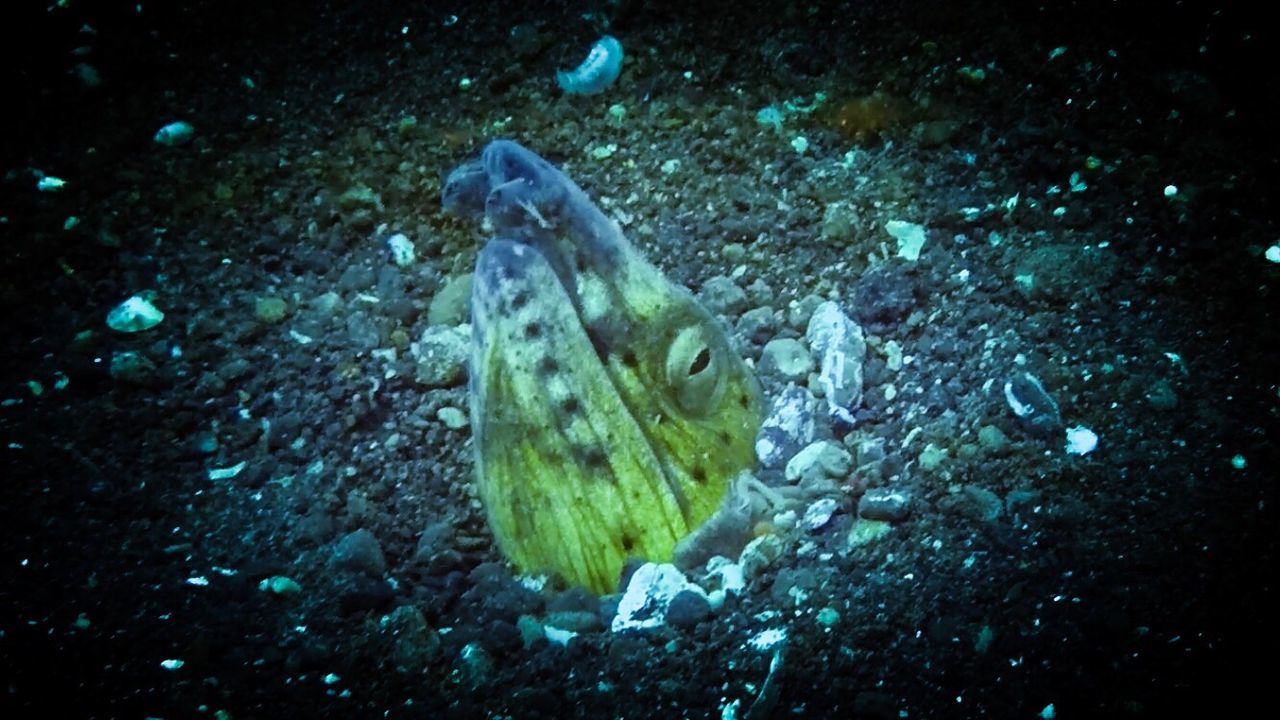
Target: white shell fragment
[
  {"x": 557, "y": 636},
  {"x": 597, "y": 72},
  {"x": 839, "y": 347},
  {"x": 49, "y": 183},
  {"x": 788, "y": 427},
  {"x": 280, "y": 585},
  {"x": 650, "y": 591},
  {"x": 134, "y": 315},
  {"x": 175, "y": 133},
  {"x": 910, "y": 237},
  {"x": 768, "y": 639},
  {"x": 401, "y": 249},
  {"x": 818, "y": 513},
  {"x": 227, "y": 473},
  {"x": 1081, "y": 440}
]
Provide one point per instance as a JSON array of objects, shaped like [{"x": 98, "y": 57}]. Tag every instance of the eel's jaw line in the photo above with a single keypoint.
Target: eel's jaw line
[{"x": 533, "y": 212}]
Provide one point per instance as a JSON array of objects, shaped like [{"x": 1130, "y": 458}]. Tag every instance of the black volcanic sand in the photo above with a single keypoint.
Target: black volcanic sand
[{"x": 1135, "y": 581}]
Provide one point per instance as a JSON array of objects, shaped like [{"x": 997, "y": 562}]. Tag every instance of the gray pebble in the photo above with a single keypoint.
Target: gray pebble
[
  {"x": 131, "y": 367},
  {"x": 870, "y": 450},
  {"x": 362, "y": 331},
  {"x": 441, "y": 356},
  {"x": 974, "y": 503},
  {"x": 449, "y": 304},
  {"x": 818, "y": 464},
  {"x": 452, "y": 417},
  {"x": 356, "y": 278},
  {"x": 577, "y": 620},
  {"x": 799, "y": 312},
  {"x": 1160, "y": 395},
  {"x": 839, "y": 222},
  {"x": 993, "y": 440},
  {"x": 360, "y": 551},
  {"x": 786, "y": 359},
  {"x": 722, "y": 297},
  {"x": 756, "y": 325},
  {"x": 687, "y": 609},
  {"x": 884, "y": 504}
]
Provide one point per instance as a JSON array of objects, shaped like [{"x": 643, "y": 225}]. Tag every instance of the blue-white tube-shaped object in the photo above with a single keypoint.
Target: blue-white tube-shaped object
[
  {"x": 175, "y": 133},
  {"x": 597, "y": 72}
]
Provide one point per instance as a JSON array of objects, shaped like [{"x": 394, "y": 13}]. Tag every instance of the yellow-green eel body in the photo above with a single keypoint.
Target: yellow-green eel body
[{"x": 608, "y": 408}]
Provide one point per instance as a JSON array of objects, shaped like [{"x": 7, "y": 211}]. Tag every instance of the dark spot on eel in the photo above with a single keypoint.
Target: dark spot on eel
[
  {"x": 548, "y": 365},
  {"x": 594, "y": 458}
]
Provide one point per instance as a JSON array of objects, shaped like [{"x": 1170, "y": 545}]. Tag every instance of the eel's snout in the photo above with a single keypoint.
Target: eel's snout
[{"x": 465, "y": 190}]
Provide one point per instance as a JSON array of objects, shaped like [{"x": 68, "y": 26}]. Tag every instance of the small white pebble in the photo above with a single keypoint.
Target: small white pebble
[
  {"x": 49, "y": 183},
  {"x": 175, "y": 133},
  {"x": 134, "y": 315},
  {"x": 228, "y": 472},
  {"x": 1081, "y": 440},
  {"x": 401, "y": 248},
  {"x": 557, "y": 636},
  {"x": 767, "y": 639}
]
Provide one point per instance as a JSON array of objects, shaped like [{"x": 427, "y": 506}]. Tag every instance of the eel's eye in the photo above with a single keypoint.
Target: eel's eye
[{"x": 695, "y": 370}]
